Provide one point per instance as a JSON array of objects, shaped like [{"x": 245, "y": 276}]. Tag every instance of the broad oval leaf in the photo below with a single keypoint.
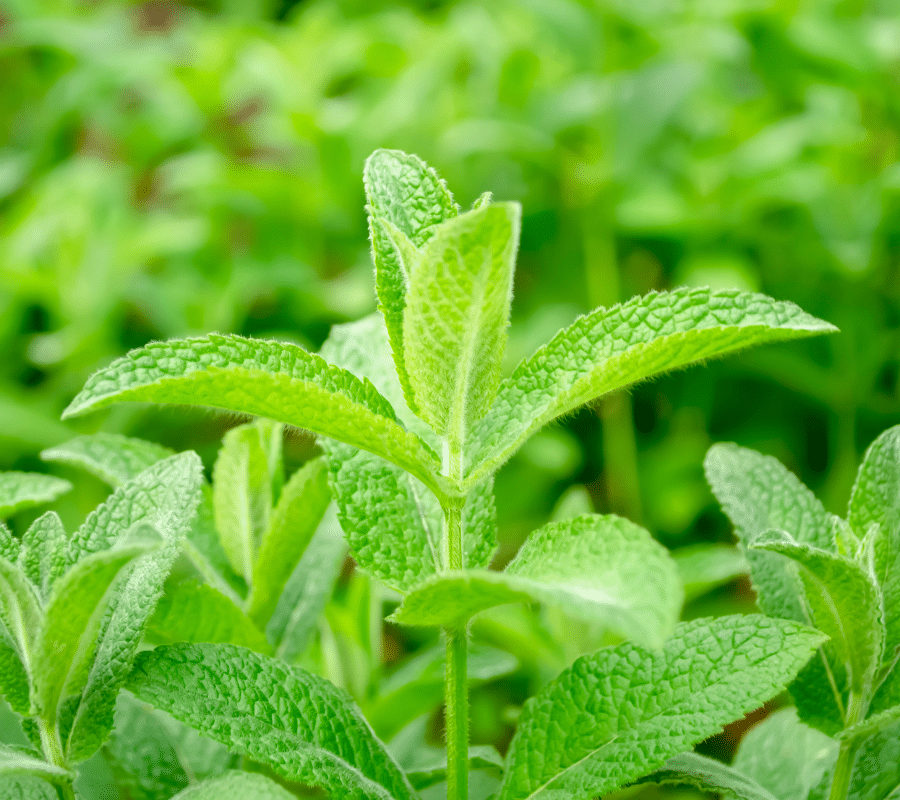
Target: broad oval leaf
[
  {"x": 236, "y": 786},
  {"x": 295, "y": 722},
  {"x": 601, "y": 568},
  {"x": 609, "y": 349},
  {"x": 111, "y": 457},
  {"x": 21, "y": 490},
  {"x": 457, "y": 315},
  {"x": 279, "y": 381},
  {"x": 622, "y": 712}
]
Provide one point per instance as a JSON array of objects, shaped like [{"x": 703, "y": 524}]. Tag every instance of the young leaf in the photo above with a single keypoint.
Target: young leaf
[
  {"x": 789, "y": 773},
  {"x": 295, "y": 722},
  {"x": 21, "y": 490},
  {"x": 9, "y": 544},
  {"x": 123, "y": 624},
  {"x": 110, "y": 457},
  {"x": 406, "y": 200},
  {"x": 43, "y": 552},
  {"x": 307, "y": 591},
  {"x": 293, "y": 523},
  {"x": 876, "y": 501},
  {"x": 71, "y": 625},
  {"x": 843, "y": 603},
  {"x": 596, "y": 567},
  {"x": 164, "y": 497},
  {"x": 611, "y": 348},
  {"x": 623, "y": 712},
  {"x": 196, "y": 612},
  {"x": 20, "y": 760},
  {"x": 278, "y": 381},
  {"x": 236, "y": 786},
  {"x": 20, "y": 613},
  {"x": 456, "y": 316},
  {"x": 709, "y": 775}
]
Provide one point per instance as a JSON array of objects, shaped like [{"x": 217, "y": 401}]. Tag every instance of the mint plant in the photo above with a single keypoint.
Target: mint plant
[
  {"x": 417, "y": 420},
  {"x": 840, "y": 576}
]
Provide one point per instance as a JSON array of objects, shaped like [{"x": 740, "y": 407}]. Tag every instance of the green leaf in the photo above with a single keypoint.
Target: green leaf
[
  {"x": 121, "y": 629},
  {"x": 873, "y": 724},
  {"x": 709, "y": 775},
  {"x": 164, "y": 497},
  {"x": 623, "y": 712},
  {"x": 242, "y": 493},
  {"x": 9, "y": 544},
  {"x": 457, "y": 315},
  {"x": 72, "y": 621},
  {"x": 110, "y": 457},
  {"x": 842, "y": 601},
  {"x": 21, "y": 490},
  {"x": 595, "y": 567},
  {"x": 703, "y": 567},
  {"x": 293, "y": 523},
  {"x": 26, "y": 788},
  {"x": 43, "y": 553},
  {"x": 13, "y": 679},
  {"x": 20, "y": 613},
  {"x": 20, "y": 760},
  {"x": 295, "y": 722},
  {"x": 876, "y": 770},
  {"x": 406, "y": 200},
  {"x": 876, "y": 501},
  {"x": 612, "y": 348},
  {"x": 789, "y": 773},
  {"x": 236, "y": 786},
  {"x": 196, "y": 612},
  {"x": 278, "y": 381},
  {"x": 308, "y": 591}
]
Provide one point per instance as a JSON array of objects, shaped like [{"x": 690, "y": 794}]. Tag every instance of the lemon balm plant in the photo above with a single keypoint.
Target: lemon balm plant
[{"x": 417, "y": 420}]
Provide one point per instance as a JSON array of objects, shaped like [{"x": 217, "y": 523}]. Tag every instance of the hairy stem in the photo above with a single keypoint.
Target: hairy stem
[
  {"x": 53, "y": 753},
  {"x": 843, "y": 769}
]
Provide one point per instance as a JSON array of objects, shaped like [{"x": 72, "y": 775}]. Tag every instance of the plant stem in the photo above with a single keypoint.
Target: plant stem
[
  {"x": 53, "y": 753},
  {"x": 843, "y": 769}
]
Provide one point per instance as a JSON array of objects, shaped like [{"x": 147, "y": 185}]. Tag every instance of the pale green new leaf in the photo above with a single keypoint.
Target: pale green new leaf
[
  {"x": 279, "y": 381},
  {"x": 20, "y": 760},
  {"x": 71, "y": 625},
  {"x": 111, "y": 457},
  {"x": 876, "y": 501},
  {"x": 785, "y": 756},
  {"x": 9, "y": 544},
  {"x": 841, "y": 600},
  {"x": 43, "y": 553},
  {"x": 703, "y": 567},
  {"x": 295, "y": 722},
  {"x": 622, "y": 712},
  {"x": 196, "y": 612},
  {"x": 20, "y": 613},
  {"x": 236, "y": 786},
  {"x": 709, "y": 775},
  {"x": 308, "y": 591},
  {"x": 612, "y": 348},
  {"x": 405, "y": 201},
  {"x": 163, "y": 497},
  {"x": 600, "y": 568},
  {"x": 457, "y": 314},
  {"x": 122, "y": 627},
  {"x": 293, "y": 522},
  {"x": 21, "y": 490},
  {"x": 242, "y": 492}
]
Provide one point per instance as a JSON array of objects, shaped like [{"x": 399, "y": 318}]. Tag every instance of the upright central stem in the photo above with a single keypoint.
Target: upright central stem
[
  {"x": 843, "y": 769},
  {"x": 456, "y": 697},
  {"x": 53, "y": 753}
]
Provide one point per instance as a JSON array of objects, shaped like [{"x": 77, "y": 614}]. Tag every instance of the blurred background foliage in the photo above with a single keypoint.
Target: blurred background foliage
[{"x": 172, "y": 168}]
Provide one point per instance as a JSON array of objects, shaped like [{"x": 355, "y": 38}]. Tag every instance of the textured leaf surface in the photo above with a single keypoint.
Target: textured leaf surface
[
  {"x": 43, "y": 552},
  {"x": 788, "y": 772},
  {"x": 236, "y": 786},
  {"x": 876, "y": 501},
  {"x": 457, "y": 315},
  {"x": 843, "y": 603},
  {"x": 623, "y": 712},
  {"x": 120, "y": 634},
  {"x": 405, "y": 201},
  {"x": 164, "y": 497},
  {"x": 111, "y": 457},
  {"x": 26, "y": 788},
  {"x": 279, "y": 381},
  {"x": 21, "y": 490},
  {"x": 601, "y": 568},
  {"x": 709, "y": 775},
  {"x": 612, "y": 348},
  {"x": 293, "y": 523},
  {"x": 20, "y": 612},
  {"x": 196, "y": 612},
  {"x": 19, "y": 760},
  {"x": 9, "y": 544},
  {"x": 295, "y": 722},
  {"x": 13, "y": 679},
  {"x": 72, "y": 622},
  {"x": 308, "y": 591}
]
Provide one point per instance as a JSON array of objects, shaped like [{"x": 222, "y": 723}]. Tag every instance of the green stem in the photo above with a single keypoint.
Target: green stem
[
  {"x": 53, "y": 753},
  {"x": 843, "y": 769}
]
